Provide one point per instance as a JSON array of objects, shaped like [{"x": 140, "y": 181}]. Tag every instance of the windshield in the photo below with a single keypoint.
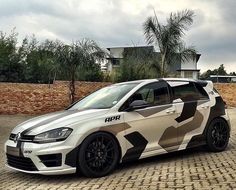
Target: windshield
[{"x": 104, "y": 98}]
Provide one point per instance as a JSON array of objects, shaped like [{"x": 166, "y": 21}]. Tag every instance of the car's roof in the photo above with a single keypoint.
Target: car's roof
[
  {"x": 179, "y": 79},
  {"x": 137, "y": 81},
  {"x": 157, "y": 79}
]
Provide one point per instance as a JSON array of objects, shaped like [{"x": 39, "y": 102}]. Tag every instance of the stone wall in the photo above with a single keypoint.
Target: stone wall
[{"x": 20, "y": 98}]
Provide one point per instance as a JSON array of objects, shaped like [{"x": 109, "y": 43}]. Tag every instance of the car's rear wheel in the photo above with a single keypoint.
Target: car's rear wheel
[
  {"x": 98, "y": 155},
  {"x": 218, "y": 135}
]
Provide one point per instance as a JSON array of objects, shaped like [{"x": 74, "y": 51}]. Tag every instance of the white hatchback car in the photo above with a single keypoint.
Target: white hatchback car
[{"x": 118, "y": 123}]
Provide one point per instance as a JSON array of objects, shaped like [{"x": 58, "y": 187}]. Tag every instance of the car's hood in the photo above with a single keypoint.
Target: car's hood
[{"x": 55, "y": 120}]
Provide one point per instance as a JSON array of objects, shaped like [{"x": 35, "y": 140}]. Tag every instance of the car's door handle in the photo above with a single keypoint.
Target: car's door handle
[{"x": 170, "y": 111}]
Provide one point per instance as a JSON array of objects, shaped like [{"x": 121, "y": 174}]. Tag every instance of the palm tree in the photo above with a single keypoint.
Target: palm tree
[
  {"x": 79, "y": 53},
  {"x": 168, "y": 37}
]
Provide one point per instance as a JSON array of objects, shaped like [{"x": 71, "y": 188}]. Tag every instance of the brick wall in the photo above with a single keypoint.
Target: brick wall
[
  {"x": 22, "y": 98},
  {"x": 17, "y": 98}
]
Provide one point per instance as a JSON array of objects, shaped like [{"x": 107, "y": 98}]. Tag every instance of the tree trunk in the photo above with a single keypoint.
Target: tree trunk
[
  {"x": 72, "y": 88},
  {"x": 54, "y": 78},
  {"x": 163, "y": 66},
  {"x": 163, "y": 60},
  {"x": 49, "y": 78}
]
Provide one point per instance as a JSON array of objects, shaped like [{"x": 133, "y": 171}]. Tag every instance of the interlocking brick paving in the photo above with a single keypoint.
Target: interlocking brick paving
[{"x": 190, "y": 169}]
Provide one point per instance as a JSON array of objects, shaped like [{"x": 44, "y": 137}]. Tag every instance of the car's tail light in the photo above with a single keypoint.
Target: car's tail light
[{"x": 226, "y": 106}]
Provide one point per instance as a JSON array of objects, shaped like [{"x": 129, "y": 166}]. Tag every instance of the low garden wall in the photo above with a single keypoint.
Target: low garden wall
[
  {"x": 22, "y": 98},
  {"x": 228, "y": 92}
]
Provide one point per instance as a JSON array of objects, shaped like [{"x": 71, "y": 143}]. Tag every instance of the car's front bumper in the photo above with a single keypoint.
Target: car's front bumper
[
  {"x": 47, "y": 172},
  {"x": 32, "y": 151}
]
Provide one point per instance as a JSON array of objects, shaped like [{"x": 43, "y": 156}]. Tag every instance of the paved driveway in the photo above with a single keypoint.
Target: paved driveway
[{"x": 190, "y": 169}]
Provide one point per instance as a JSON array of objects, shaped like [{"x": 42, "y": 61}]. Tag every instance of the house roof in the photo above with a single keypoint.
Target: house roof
[
  {"x": 142, "y": 46},
  {"x": 222, "y": 76},
  {"x": 188, "y": 70},
  {"x": 198, "y": 57}
]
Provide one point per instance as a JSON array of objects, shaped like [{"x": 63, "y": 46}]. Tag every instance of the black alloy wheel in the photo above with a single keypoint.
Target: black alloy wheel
[
  {"x": 98, "y": 155},
  {"x": 218, "y": 135}
]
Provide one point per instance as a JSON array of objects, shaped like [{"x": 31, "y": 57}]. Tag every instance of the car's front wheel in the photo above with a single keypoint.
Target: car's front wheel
[
  {"x": 218, "y": 135},
  {"x": 98, "y": 155}
]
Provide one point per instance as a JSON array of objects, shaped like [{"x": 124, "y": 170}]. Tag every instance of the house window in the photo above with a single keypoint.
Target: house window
[
  {"x": 188, "y": 74},
  {"x": 115, "y": 61}
]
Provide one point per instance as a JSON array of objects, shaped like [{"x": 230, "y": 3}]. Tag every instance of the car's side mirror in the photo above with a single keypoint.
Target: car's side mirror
[{"x": 137, "y": 104}]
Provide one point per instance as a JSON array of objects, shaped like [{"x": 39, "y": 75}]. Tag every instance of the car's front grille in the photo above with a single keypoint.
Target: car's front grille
[
  {"x": 23, "y": 138},
  {"x": 22, "y": 163},
  {"x": 12, "y": 136},
  {"x": 51, "y": 160}
]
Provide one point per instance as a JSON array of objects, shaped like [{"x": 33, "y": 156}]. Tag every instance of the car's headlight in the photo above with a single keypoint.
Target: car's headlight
[{"x": 54, "y": 135}]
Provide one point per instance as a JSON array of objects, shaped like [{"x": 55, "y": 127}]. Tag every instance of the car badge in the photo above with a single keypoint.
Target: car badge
[{"x": 17, "y": 137}]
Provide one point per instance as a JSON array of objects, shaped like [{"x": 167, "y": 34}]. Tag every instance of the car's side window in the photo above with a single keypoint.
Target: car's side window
[
  {"x": 202, "y": 93},
  {"x": 155, "y": 94},
  {"x": 188, "y": 91}
]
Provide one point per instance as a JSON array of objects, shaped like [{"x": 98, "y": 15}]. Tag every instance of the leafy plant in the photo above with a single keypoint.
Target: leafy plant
[
  {"x": 168, "y": 37},
  {"x": 82, "y": 53}
]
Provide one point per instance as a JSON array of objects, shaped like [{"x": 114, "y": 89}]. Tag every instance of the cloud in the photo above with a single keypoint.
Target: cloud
[{"x": 117, "y": 23}]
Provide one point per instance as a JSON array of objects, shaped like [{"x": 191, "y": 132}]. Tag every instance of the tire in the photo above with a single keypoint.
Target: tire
[
  {"x": 98, "y": 155},
  {"x": 218, "y": 135}
]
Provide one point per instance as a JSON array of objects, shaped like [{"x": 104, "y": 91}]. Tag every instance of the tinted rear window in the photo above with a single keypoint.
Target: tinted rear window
[{"x": 189, "y": 92}]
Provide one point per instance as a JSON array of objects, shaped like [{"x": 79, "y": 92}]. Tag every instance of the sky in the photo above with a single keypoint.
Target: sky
[{"x": 119, "y": 23}]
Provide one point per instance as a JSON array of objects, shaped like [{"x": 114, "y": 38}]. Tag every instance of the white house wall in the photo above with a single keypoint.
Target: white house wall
[
  {"x": 189, "y": 65},
  {"x": 117, "y": 52}
]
